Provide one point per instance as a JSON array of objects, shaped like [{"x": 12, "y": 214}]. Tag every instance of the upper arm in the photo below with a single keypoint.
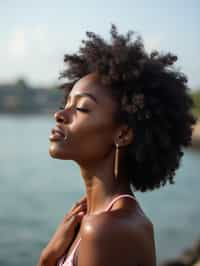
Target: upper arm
[
  {"x": 147, "y": 246},
  {"x": 106, "y": 243}
]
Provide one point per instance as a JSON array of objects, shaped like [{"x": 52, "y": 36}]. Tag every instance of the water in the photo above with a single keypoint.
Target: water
[{"x": 36, "y": 191}]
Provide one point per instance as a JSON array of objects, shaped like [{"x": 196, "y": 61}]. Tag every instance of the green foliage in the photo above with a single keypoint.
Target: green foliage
[{"x": 196, "y": 99}]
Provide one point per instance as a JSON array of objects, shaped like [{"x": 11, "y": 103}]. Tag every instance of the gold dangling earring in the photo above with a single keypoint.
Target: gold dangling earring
[{"x": 116, "y": 164}]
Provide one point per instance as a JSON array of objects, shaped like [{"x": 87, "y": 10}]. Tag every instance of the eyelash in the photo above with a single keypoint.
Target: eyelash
[{"x": 79, "y": 109}]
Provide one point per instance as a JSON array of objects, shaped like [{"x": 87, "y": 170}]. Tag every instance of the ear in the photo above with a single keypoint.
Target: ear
[{"x": 124, "y": 135}]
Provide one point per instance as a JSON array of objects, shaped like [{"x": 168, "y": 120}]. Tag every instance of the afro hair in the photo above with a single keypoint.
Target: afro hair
[{"x": 152, "y": 98}]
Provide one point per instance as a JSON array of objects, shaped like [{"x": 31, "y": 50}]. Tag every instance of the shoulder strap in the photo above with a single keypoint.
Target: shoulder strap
[{"x": 119, "y": 197}]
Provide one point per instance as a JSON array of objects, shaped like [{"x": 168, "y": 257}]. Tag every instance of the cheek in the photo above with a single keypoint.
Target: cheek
[{"x": 93, "y": 134}]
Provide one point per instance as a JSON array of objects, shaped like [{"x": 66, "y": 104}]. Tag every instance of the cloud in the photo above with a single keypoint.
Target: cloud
[
  {"x": 31, "y": 52},
  {"x": 17, "y": 45},
  {"x": 26, "y": 41}
]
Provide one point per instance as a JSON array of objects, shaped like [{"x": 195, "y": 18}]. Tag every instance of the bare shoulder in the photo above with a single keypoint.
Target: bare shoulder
[
  {"x": 132, "y": 220},
  {"x": 118, "y": 237}
]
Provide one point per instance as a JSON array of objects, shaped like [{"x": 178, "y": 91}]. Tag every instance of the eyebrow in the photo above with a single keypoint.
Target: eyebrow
[{"x": 85, "y": 94}]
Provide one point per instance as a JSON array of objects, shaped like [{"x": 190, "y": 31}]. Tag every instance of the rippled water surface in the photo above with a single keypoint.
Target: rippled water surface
[{"x": 36, "y": 191}]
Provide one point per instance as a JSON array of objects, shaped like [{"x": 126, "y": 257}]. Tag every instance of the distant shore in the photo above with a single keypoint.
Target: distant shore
[{"x": 196, "y": 136}]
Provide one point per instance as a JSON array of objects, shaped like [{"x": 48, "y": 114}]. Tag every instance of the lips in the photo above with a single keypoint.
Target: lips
[
  {"x": 57, "y": 134},
  {"x": 58, "y": 131}
]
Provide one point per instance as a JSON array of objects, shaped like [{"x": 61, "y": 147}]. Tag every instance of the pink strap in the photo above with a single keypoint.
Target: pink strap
[
  {"x": 118, "y": 197},
  {"x": 75, "y": 247},
  {"x": 70, "y": 260}
]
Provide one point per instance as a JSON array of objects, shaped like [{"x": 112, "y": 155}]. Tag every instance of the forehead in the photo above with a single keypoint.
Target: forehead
[{"x": 91, "y": 84}]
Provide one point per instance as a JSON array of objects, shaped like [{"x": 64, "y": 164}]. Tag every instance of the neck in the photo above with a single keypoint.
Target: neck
[{"x": 101, "y": 185}]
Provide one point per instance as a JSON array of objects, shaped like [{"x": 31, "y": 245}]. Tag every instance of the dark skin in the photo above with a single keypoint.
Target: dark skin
[{"x": 124, "y": 235}]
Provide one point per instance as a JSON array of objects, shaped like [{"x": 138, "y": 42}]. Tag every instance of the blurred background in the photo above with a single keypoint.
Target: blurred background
[{"x": 36, "y": 190}]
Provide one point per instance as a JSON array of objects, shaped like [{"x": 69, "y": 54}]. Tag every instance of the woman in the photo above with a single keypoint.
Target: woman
[{"x": 125, "y": 119}]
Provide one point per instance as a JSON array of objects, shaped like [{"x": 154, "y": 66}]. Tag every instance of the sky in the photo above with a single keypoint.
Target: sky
[{"x": 35, "y": 35}]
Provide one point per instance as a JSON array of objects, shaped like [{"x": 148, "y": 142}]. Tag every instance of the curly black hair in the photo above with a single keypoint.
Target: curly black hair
[{"x": 152, "y": 98}]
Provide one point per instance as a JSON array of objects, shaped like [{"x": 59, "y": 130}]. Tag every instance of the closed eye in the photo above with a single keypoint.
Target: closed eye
[
  {"x": 82, "y": 109},
  {"x": 77, "y": 108}
]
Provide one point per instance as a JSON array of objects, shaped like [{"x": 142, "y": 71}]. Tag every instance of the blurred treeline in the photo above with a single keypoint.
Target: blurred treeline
[{"x": 22, "y": 98}]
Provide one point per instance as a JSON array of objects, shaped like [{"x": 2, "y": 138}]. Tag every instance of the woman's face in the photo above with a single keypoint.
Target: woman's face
[{"x": 90, "y": 132}]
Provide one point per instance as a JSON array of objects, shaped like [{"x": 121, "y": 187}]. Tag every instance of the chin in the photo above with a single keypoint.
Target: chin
[{"x": 57, "y": 153}]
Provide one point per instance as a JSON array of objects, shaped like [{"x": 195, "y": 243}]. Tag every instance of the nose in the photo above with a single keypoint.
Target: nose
[{"x": 59, "y": 116}]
